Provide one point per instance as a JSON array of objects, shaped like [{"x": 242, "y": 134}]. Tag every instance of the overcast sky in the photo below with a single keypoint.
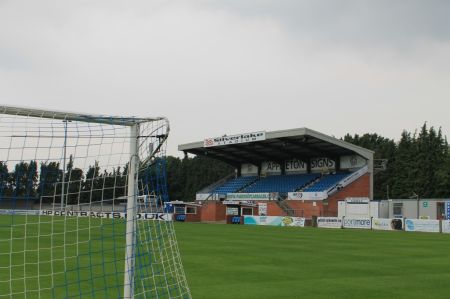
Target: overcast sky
[{"x": 232, "y": 66}]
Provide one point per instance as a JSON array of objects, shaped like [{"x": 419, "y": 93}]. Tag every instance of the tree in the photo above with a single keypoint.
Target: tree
[
  {"x": 48, "y": 181},
  {"x": 384, "y": 148},
  {"x": 24, "y": 179},
  {"x": 5, "y": 189}
]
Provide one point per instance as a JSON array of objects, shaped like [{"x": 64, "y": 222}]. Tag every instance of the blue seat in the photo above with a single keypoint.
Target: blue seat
[
  {"x": 181, "y": 217},
  {"x": 281, "y": 183},
  {"x": 235, "y": 185},
  {"x": 236, "y": 220},
  {"x": 327, "y": 182}
]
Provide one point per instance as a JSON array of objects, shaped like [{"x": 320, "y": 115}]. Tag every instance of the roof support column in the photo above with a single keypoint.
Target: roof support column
[
  {"x": 337, "y": 163},
  {"x": 370, "y": 166},
  {"x": 308, "y": 165}
]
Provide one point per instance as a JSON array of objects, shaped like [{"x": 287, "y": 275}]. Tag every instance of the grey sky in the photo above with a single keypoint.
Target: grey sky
[{"x": 232, "y": 66}]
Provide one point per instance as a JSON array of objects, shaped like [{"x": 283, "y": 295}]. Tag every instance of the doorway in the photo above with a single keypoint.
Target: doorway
[{"x": 440, "y": 210}]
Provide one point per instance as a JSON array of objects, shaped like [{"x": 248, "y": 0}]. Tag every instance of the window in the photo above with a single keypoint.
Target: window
[
  {"x": 232, "y": 211},
  {"x": 247, "y": 211},
  {"x": 398, "y": 210},
  {"x": 180, "y": 210},
  {"x": 191, "y": 210}
]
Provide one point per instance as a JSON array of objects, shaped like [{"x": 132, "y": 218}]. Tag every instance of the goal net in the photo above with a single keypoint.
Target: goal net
[{"x": 83, "y": 207}]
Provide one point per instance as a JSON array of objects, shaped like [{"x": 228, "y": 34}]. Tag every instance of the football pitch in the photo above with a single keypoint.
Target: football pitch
[
  {"x": 226, "y": 261},
  {"x": 236, "y": 261}
]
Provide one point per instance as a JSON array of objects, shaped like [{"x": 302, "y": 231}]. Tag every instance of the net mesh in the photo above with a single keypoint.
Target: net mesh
[{"x": 63, "y": 205}]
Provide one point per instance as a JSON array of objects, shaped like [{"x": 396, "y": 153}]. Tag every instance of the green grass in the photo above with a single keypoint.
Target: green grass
[
  {"x": 226, "y": 261},
  {"x": 71, "y": 257},
  {"x": 86, "y": 261},
  {"x": 231, "y": 261}
]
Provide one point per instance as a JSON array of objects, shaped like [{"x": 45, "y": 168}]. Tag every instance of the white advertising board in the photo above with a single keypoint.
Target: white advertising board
[
  {"x": 249, "y": 169},
  {"x": 362, "y": 223},
  {"x": 20, "y": 212},
  {"x": 270, "y": 168},
  {"x": 307, "y": 195},
  {"x": 202, "y": 196},
  {"x": 351, "y": 162},
  {"x": 109, "y": 215},
  {"x": 329, "y": 222},
  {"x": 446, "y": 226},
  {"x": 290, "y": 167},
  {"x": 387, "y": 224},
  {"x": 262, "y": 209},
  {"x": 295, "y": 166},
  {"x": 357, "y": 200},
  {"x": 232, "y": 211},
  {"x": 234, "y": 139},
  {"x": 274, "y": 220},
  {"x": 252, "y": 196},
  {"x": 421, "y": 225},
  {"x": 320, "y": 164}
]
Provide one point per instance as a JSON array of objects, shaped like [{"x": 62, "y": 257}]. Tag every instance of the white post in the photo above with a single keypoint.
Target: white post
[
  {"x": 64, "y": 166},
  {"x": 128, "y": 288}
]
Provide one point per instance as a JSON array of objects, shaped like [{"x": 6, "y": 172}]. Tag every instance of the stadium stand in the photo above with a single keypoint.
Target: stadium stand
[
  {"x": 281, "y": 183},
  {"x": 327, "y": 182},
  {"x": 235, "y": 185},
  {"x": 297, "y": 172}
]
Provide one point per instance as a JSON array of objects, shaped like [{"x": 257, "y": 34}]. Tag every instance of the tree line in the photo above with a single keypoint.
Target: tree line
[
  {"x": 27, "y": 182},
  {"x": 417, "y": 165}
]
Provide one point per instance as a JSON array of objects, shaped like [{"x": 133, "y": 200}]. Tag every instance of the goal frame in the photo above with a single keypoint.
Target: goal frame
[{"x": 132, "y": 196}]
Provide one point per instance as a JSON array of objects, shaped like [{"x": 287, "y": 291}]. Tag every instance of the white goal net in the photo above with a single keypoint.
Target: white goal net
[{"x": 82, "y": 207}]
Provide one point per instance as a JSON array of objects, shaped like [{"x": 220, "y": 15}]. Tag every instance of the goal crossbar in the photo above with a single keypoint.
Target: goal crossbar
[{"x": 73, "y": 116}]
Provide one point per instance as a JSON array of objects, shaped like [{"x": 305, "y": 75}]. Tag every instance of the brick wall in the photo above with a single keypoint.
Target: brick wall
[
  {"x": 359, "y": 188},
  {"x": 329, "y": 207},
  {"x": 212, "y": 211},
  {"x": 273, "y": 209}
]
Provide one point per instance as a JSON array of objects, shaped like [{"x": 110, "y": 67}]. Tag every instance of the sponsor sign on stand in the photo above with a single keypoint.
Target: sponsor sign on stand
[
  {"x": 446, "y": 226},
  {"x": 387, "y": 224},
  {"x": 318, "y": 164},
  {"x": 202, "y": 196},
  {"x": 362, "y": 223},
  {"x": 349, "y": 162},
  {"x": 307, "y": 195},
  {"x": 274, "y": 220},
  {"x": 252, "y": 196},
  {"x": 295, "y": 166},
  {"x": 234, "y": 139},
  {"x": 421, "y": 225},
  {"x": 262, "y": 209},
  {"x": 329, "y": 222}
]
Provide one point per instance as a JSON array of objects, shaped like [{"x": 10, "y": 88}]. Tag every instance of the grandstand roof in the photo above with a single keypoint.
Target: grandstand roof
[{"x": 277, "y": 146}]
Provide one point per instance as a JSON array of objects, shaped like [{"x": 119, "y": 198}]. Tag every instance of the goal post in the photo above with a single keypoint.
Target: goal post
[
  {"x": 131, "y": 214},
  {"x": 82, "y": 207}
]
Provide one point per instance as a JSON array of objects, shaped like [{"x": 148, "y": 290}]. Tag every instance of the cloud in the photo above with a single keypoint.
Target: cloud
[
  {"x": 216, "y": 67},
  {"x": 362, "y": 22}
]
